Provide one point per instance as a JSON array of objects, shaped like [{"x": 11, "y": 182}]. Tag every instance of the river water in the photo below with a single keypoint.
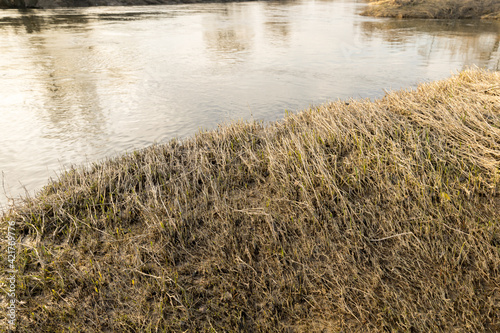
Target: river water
[{"x": 80, "y": 85}]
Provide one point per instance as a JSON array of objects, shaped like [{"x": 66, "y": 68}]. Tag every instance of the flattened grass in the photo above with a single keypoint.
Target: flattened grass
[
  {"x": 435, "y": 9},
  {"x": 359, "y": 216}
]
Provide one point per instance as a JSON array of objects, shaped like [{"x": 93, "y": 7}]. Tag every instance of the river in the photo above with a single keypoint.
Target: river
[{"x": 84, "y": 84}]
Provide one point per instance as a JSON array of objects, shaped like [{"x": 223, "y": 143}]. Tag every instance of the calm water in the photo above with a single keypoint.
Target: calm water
[{"x": 79, "y": 85}]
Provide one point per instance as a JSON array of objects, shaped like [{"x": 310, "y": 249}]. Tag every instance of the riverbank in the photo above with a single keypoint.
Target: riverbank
[
  {"x": 354, "y": 216},
  {"x": 435, "y": 9}
]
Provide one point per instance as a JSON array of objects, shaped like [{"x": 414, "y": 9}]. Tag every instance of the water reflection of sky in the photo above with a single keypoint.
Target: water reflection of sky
[{"x": 84, "y": 84}]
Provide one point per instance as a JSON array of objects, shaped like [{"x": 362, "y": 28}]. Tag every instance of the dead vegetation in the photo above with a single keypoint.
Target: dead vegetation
[
  {"x": 435, "y": 9},
  {"x": 353, "y": 216}
]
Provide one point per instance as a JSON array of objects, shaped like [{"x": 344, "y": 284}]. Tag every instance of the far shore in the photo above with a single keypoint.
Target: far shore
[
  {"x": 427, "y": 9},
  {"x": 435, "y": 9},
  {"x": 48, "y": 4}
]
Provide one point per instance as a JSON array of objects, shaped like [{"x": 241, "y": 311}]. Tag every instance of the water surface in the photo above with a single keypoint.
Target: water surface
[{"x": 84, "y": 84}]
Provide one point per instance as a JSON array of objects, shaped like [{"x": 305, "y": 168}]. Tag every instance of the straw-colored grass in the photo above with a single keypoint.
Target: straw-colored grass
[
  {"x": 436, "y": 9},
  {"x": 353, "y": 216}
]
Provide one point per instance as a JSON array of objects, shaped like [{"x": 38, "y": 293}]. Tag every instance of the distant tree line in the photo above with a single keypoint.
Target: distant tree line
[{"x": 18, "y": 3}]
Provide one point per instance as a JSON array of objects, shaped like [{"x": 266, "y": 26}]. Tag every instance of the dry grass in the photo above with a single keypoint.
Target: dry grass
[
  {"x": 360, "y": 216},
  {"x": 437, "y": 9}
]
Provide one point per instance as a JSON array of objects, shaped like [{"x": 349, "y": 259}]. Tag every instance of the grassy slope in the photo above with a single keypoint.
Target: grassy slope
[
  {"x": 371, "y": 216},
  {"x": 438, "y": 9}
]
